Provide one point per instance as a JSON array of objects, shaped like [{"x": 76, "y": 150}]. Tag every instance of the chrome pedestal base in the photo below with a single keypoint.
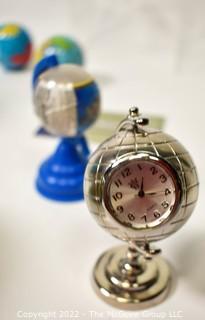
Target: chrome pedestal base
[{"x": 127, "y": 280}]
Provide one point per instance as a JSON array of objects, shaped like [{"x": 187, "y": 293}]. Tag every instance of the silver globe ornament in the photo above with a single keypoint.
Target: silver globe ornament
[
  {"x": 141, "y": 186},
  {"x": 67, "y": 101}
]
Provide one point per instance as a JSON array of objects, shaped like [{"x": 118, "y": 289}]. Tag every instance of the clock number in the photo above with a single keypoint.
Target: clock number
[
  {"x": 134, "y": 184},
  {"x": 165, "y": 204},
  {"x": 120, "y": 209},
  {"x": 153, "y": 170},
  {"x": 126, "y": 172},
  {"x": 117, "y": 196},
  {"x": 118, "y": 183},
  {"x": 167, "y": 191},
  {"x": 156, "y": 214},
  {"x": 163, "y": 178},
  {"x": 144, "y": 217},
  {"x": 131, "y": 217}
]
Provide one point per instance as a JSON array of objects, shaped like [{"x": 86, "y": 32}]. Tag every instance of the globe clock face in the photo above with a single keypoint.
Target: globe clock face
[{"x": 142, "y": 192}]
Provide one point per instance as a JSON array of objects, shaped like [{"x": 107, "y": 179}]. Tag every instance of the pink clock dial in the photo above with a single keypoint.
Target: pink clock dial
[{"x": 142, "y": 193}]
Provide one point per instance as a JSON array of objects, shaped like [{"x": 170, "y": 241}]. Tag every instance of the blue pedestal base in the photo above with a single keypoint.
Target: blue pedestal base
[{"x": 60, "y": 177}]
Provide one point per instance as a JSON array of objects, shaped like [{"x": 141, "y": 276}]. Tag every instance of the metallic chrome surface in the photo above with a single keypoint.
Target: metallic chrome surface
[
  {"x": 56, "y": 102},
  {"x": 131, "y": 284},
  {"x": 136, "y": 277},
  {"x": 121, "y": 147}
]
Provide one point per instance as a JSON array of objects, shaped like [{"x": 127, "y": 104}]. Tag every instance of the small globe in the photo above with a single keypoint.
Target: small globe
[
  {"x": 66, "y": 50},
  {"x": 66, "y": 99},
  {"x": 15, "y": 46},
  {"x": 126, "y": 142}
]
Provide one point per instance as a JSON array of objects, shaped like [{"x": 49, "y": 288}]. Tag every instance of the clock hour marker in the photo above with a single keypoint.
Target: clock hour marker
[
  {"x": 144, "y": 217},
  {"x": 167, "y": 191},
  {"x": 153, "y": 170},
  {"x": 126, "y": 172},
  {"x": 163, "y": 178},
  {"x": 118, "y": 183},
  {"x": 165, "y": 204},
  {"x": 131, "y": 217},
  {"x": 117, "y": 196},
  {"x": 120, "y": 209},
  {"x": 156, "y": 214}
]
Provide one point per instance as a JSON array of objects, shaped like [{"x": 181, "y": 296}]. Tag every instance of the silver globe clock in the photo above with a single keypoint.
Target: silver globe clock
[{"x": 140, "y": 185}]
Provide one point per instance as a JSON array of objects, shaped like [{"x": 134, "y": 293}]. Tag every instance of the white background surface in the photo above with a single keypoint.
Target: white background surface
[{"x": 149, "y": 53}]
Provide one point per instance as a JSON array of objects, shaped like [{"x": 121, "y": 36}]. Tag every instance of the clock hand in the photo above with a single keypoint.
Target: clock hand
[
  {"x": 142, "y": 184},
  {"x": 154, "y": 193},
  {"x": 141, "y": 191}
]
